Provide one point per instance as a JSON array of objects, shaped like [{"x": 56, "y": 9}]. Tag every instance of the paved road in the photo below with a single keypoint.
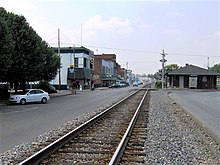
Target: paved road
[
  {"x": 204, "y": 106},
  {"x": 20, "y": 123}
]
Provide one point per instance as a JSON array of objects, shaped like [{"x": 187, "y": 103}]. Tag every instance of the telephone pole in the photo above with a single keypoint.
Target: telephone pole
[
  {"x": 81, "y": 34},
  {"x": 59, "y": 76},
  {"x": 163, "y": 60},
  {"x": 208, "y": 63}
]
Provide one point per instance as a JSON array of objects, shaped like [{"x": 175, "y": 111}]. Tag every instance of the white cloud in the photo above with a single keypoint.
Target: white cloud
[
  {"x": 162, "y": 0},
  {"x": 145, "y": 26},
  {"x": 20, "y": 6},
  {"x": 114, "y": 23},
  {"x": 174, "y": 32},
  {"x": 174, "y": 14},
  {"x": 214, "y": 36}
]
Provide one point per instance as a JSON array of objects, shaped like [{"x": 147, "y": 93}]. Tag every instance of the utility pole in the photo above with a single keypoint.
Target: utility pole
[
  {"x": 163, "y": 60},
  {"x": 59, "y": 76},
  {"x": 208, "y": 63},
  {"x": 74, "y": 63},
  {"x": 126, "y": 71},
  {"x": 81, "y": 34}
]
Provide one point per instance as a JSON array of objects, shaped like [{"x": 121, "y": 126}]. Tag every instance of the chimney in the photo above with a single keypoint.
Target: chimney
[{"x": 187, "y": 64}]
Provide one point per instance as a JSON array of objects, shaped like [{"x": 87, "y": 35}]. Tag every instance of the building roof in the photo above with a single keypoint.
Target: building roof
[
  {"x": 193, "y": 70},
  {"x": 73, "y": 50}
]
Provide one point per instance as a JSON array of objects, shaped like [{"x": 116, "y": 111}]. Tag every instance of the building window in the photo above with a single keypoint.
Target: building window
[
  {"x": 85, "y": 63},
  {"x": 91, "y": 63},
  {"x": 204, "y": 78},
  {"x": 76, "y": 61}
]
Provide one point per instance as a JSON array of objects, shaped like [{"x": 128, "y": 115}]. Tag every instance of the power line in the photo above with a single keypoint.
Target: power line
[
  {"x": 201, "y": 55},
  {"x": 142, "y": 51},
  {"x": 122, "y": 49},
  {"x": 148, "y": 51}
]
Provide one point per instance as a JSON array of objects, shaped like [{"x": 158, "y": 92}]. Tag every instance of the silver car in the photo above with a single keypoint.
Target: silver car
[{"x": 30, "y": 95}]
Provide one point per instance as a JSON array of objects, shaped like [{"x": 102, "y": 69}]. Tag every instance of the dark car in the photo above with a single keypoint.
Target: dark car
[
  {"x": 135, "y": 84},
  {"x": 4, "y": 94},
  {"x": 114, "y": 86},
  {"x": 52, "y": 89}
]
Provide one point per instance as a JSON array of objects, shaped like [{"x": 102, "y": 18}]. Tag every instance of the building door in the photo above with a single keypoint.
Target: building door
[
  {"x": 192, "y": 82},
  {"x": 181, "y": 81}
]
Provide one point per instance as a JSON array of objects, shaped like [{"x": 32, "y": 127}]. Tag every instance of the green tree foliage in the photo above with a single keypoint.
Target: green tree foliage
[
  {"x": 158, "y": 84},
  {"x": 216, "y": 68},
  {"x": 171, "y": 67},
  {"x": 167, "y": 68},
  {"x": 6, "y": 46},
  {"x": 31, "y": 59}
]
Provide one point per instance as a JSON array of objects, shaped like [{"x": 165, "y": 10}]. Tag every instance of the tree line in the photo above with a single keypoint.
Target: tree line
[{"x": 24, "y": 56}]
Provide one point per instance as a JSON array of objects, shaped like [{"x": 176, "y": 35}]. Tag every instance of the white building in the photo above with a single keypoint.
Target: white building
[{"x": 76, "y": 65}]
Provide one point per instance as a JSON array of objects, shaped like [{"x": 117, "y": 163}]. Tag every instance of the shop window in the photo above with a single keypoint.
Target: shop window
[
  {"x": 204, "y": 79},
  {"x": 76, "y": 62},
  {"x": 85, "y": 63}
]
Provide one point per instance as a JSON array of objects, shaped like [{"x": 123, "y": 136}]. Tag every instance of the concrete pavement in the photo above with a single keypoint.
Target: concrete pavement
[{"x": 203, "y": 106}]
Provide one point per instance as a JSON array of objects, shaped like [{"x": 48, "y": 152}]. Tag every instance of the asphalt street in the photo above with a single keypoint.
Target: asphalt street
[
  {"x": 20, "y": 123},
  {"x": 203, "y": 105}
]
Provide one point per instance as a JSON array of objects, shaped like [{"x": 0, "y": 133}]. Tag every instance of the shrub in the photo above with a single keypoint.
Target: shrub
[
  {"x": 44, "y": 85},
  {"x": 158, "y": 84}
]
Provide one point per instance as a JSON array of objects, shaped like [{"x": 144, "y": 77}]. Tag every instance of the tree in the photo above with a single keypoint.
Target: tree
[
  {"x": 171, "y": 67},
  {"x": 31, "y": 57},
  {"x": 150, "y": 76},
  {"x": 6, "y": 46},
  {"x": 216, "y": 68}
]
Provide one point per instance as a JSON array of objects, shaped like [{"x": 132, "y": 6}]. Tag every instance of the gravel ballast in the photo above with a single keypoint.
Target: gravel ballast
[{"x": 173, "y": 137}]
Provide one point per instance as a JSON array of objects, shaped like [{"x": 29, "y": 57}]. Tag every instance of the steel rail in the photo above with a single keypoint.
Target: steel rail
[
  {"x": 51, "y": 148},
  {"x": 120, "y": 149}
]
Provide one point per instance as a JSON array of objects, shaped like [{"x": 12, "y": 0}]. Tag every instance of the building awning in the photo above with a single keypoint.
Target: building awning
[{"x": 80, "y": 74}]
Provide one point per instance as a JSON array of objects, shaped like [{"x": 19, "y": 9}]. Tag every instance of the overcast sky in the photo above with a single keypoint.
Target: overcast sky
[{"x": 136, "y": 31}]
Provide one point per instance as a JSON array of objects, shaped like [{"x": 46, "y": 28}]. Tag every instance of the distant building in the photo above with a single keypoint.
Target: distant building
[
  {"x": 76, "y": 65},
  {"x": 105, "y": 69},
  {"x": 192, "y": 77}
]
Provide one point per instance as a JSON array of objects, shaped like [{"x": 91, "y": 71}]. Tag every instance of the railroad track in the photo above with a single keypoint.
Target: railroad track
[{"x": 114, "y": 136}]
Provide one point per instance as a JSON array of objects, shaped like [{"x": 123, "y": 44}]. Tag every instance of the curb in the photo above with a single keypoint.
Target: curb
[{"x": 3, "y": 102}]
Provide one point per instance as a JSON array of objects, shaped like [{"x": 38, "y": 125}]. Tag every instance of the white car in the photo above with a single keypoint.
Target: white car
[
  {"x": 30, "y": 95},
  {"x": 121, "y": 84}
]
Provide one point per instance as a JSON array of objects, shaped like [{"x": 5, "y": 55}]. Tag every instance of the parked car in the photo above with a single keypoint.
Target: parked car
[
  {"x": 114, "y": 86},
  {"x": 29, "y": 95},
  {"x": 122, "y": 84}
]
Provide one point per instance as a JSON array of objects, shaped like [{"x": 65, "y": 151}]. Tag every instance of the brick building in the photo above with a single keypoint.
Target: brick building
[{"x": 105, "y": 69}]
